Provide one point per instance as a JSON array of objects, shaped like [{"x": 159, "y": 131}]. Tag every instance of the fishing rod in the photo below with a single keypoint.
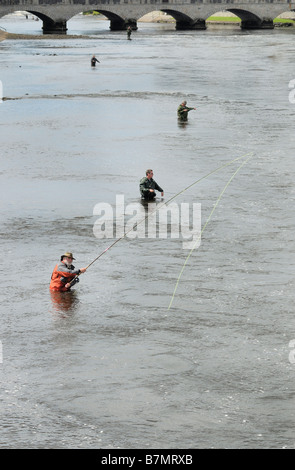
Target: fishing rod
[{"x": 74, "y": 280}]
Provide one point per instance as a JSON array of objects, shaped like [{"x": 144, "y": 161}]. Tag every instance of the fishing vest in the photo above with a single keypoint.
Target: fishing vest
[{"x": 60, "y": 278}]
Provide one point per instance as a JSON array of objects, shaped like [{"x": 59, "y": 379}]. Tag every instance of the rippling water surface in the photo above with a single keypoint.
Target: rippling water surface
[{"x": 109, "y": 365}]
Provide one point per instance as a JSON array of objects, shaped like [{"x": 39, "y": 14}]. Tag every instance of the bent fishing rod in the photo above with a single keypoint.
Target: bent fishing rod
[{"x": 74, "y": 280}]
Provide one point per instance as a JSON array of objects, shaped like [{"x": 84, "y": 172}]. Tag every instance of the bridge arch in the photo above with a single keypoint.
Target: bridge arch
[
  {"x": 120, "y": 22},
  {"x": 184, "y": 21},
  {"x": 250, "y": 20},
  {"x": 49, "y": 25},
  {"x": 117, "y": 22}
]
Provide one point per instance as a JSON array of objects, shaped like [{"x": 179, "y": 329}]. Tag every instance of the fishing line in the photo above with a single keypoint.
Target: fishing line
[
  {"x": 3, "y": 34},
  {"x": 160, "y": 206},
  {"x": 203, "y": 229}
]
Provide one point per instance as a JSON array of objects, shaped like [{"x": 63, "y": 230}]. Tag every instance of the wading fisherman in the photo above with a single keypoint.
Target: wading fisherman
[
  {"x": 182, "y": 111},
  {"x": 63, "y": 273},
  {"x": 129, "y": 31},
  {"x": 93, "y": 61},
  {"x": 148, "y": 185}
]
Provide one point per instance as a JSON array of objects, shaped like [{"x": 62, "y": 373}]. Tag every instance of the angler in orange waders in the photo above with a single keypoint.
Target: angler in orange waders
[{"x": 63, "y": 274}]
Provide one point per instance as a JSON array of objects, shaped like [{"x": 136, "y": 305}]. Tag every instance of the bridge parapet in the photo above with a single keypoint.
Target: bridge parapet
[{"x": 189, "y": 14}]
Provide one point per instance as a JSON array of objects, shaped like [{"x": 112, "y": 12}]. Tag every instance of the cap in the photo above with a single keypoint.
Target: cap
[{"x": 68, "y": 254}]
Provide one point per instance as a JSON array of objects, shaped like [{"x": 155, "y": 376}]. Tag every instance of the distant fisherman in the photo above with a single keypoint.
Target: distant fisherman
[
  {"x": 129, "y": 31},
  {"x": 182, "y": 111},
  {"x": 63, "y": 273},
  {"x": 148, "y": 185},
  {"x": 94, "y": 60}
]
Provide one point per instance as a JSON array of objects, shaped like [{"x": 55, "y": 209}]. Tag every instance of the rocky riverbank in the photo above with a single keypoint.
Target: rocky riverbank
[{"x": 43, "y": 36}]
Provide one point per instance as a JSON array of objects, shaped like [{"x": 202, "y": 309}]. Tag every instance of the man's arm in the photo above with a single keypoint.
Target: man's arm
[
  {"x": 158, "y": 188},
  {"x": 63, "y": 269}
]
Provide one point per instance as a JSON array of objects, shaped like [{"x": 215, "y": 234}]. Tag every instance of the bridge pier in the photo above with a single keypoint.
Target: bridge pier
[
  {"x": 182, "y": 25},
  {"x": 267, "y": 24},
  {"x": 263, "y": 24},
  {"x": 118, "y": 24},
  {"x": 54, "y": 27}
]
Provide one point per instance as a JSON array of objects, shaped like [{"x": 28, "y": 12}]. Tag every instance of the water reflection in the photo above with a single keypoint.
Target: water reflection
[
  {"x": 147, "y": 205},
  {"x": 182, "y": 124},
  {"x": 64, "y": 302}
]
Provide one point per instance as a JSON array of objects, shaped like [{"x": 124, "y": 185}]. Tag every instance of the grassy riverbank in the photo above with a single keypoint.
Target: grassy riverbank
[{"x": 235, "y": 20}]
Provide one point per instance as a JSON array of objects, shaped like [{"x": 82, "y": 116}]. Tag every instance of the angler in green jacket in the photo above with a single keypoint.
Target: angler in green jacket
[
  {"x": 182, "y": 111},
  {"x": 148, "y": 185}
]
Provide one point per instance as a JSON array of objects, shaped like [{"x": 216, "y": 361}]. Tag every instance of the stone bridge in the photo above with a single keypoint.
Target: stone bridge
[{"x": 188, "y": 14}]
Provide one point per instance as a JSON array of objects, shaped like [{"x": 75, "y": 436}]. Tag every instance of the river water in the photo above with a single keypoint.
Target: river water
[{"x": 111, "y": 365}]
